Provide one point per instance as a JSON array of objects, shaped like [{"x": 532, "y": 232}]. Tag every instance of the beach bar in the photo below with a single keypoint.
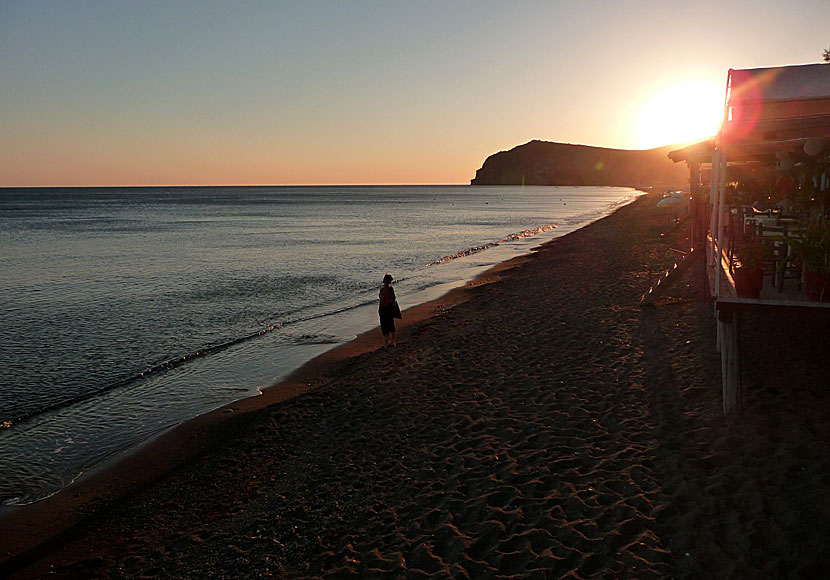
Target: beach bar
[{"x": 765, "y": 226}]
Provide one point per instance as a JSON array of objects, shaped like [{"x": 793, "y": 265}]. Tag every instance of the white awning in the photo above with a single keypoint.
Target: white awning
[{"x": 773, "y": 104}]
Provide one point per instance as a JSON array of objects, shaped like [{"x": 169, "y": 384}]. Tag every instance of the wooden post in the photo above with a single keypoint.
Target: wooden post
[
  {"x": 713, "y": 199},
  {"x": 721, "y": 231},
  {"x": 694, "y": 178},
  {"x": 730, "y": 361},
  {"x": 694, "y": 205}
]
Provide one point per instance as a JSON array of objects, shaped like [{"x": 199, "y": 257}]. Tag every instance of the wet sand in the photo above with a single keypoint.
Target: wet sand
[{"x": 537, "y": 423}]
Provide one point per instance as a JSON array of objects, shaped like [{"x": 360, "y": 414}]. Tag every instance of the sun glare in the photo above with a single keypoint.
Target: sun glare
[{"x": 681, "y": 113}]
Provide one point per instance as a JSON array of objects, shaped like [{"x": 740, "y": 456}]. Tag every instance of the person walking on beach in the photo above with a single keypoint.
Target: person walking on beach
[{"x": 388, "y": 311}]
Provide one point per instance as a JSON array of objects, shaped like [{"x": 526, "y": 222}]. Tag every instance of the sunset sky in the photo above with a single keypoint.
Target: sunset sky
[{"x": 361, "y": 92}]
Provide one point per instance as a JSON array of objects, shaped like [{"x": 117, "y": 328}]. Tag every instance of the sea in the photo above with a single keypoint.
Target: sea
[{"x": 126, "y": 311}]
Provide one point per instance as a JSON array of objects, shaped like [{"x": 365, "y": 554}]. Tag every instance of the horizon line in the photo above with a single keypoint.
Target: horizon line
[{"x": 239, "y": 185}]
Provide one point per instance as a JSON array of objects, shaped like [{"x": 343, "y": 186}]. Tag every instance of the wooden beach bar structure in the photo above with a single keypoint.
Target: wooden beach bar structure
[{"x": 765, "y": 227}]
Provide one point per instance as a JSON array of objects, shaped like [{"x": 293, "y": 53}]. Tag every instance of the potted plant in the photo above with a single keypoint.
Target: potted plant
[
  {"x": 813, "y": 247},
  {"x": 748, "y": 273}
]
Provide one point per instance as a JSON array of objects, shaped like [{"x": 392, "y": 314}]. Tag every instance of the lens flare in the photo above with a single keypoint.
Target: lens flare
[{"x": 681, "y": 113}]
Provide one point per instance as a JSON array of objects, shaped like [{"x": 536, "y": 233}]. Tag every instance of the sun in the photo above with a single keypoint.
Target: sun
[{"x": 687, "y": 111}]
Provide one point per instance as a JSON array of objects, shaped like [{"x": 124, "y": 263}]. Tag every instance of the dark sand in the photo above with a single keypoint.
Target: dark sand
[{"x": 537, "y": 424}]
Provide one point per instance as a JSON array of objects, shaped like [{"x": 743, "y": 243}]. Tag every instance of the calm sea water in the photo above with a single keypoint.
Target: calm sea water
[{"x": 129, "y": 310}]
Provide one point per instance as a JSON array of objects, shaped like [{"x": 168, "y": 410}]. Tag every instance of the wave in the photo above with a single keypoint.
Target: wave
[
  {"x": 177, "y": 361},
  {"x": 151, "y": 371},
  {"x": 593, "y": 215},
  {"x": 511, "y": 238},
  {"x": 321, "y": 338}
]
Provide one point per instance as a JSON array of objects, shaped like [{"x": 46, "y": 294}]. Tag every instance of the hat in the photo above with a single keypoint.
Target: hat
[{"x": 387, "y": 278}]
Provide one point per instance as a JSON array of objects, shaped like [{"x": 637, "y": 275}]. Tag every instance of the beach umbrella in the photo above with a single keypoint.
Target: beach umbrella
[{"x": 671, "y": 201}]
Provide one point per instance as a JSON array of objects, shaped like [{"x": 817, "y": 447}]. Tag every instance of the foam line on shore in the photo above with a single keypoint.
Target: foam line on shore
[{"x": 174, "y": 446}]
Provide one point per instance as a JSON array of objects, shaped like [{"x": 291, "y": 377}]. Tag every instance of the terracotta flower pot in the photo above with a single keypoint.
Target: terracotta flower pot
[
  {"x": 748, "y": 283},
  {"x": 814, "y": 283}
]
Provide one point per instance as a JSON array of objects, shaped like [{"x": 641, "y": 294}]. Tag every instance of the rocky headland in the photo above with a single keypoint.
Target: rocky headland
[{"x": 548, "y": 163}]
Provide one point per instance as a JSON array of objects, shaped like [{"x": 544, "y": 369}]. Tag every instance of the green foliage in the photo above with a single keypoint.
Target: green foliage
[
  {"x": 752, "y": 255},
  {"x": 813, "y": 247}
]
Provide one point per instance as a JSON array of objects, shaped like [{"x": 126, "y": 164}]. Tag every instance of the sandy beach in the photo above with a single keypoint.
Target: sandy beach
[{"x": 537, "y": 423}]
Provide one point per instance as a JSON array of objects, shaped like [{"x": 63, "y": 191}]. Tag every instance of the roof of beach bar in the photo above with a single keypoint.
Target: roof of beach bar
[{"x": 769, "y": 110}]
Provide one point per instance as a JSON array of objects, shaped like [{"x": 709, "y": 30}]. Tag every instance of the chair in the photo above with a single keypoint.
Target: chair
[{"x": 789, "y": 266}]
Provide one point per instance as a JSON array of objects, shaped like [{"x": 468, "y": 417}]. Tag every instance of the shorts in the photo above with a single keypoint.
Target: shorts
[{"x": 387, "y": 324}]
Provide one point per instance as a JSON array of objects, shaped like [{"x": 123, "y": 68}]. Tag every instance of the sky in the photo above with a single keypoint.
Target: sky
[{"x": 197, "y": 92}]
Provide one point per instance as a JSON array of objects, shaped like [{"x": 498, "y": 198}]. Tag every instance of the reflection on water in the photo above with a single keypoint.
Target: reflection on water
[{"x": 127, "y": 311}]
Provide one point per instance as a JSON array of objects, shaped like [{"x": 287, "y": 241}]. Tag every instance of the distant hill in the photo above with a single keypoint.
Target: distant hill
[{"x": 547, "y": 163}]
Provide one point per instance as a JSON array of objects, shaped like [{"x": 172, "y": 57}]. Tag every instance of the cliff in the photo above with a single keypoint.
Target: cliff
[{"x": 546, "y": 163}]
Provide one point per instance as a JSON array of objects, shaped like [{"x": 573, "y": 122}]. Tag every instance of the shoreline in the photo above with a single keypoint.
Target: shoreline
[
  {"x": 539, "y": 424},
  {"x": 35, "y": 528},
  {"x": 428, "y": 296},
  {"x": 203, "y": 385}
]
